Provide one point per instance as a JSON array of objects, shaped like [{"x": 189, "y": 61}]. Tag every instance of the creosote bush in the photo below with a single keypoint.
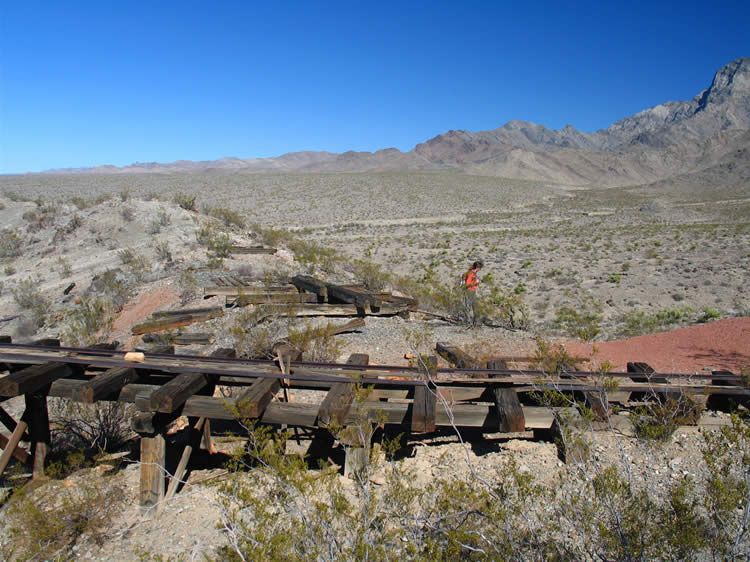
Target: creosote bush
[
  {"x": 185, "y": 201},
  {"x": 88, "y": 322},
  {"x": 30, "y": 299},
  {"x": 317, "y": 343}
]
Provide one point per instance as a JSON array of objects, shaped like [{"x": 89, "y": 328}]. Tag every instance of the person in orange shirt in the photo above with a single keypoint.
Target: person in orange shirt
[{"x": 469, "y": 284}]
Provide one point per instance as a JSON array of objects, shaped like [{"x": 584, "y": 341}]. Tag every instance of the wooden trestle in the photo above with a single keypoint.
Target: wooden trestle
[{"x": 164, "y": 386}]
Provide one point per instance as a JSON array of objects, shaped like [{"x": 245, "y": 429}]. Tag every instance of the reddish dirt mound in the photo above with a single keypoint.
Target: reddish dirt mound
[
  {"x": 138, "y": 310},
  {"x": 719, "y": 345}
]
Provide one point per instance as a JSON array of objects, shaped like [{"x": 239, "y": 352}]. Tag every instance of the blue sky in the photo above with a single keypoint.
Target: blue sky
[{"x": 90, "y": 83}]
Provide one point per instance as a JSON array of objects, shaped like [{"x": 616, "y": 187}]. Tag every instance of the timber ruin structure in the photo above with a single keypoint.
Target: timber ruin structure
[{"x": 490, "y": 398}]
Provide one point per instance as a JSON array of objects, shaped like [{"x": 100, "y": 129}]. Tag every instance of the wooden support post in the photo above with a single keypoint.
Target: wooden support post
[
  {"x": 336, "y": 405},
  {"x": 252, "y": 403},
  {"x": 19, "y": 452},
  {"x": 355, "y": 461},
  {"x": 9, "y": 449},
  {"x": 194, "y": 439},
  {"x": 153, "y": 460},
  {"x": 38, "y": 419},
  {"x": 423, "y": 409},
  {"x": 507, "y": 404}
]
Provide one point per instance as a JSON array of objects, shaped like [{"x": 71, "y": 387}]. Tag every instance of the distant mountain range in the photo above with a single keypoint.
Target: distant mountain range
[{"x": 707, "y": 137}]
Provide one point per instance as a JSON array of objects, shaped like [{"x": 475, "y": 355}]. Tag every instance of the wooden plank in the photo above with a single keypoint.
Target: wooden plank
[
  {"x": 18, "y": 452},
  {"x": 104, "y": 385},
  {"x": 13, "y": 441},
  {"x": 47, "y": 342},
  {"x": 162, "y": 324},
  {"x": 153, "y": 461},
  {"x": 253, "y": 402},
  {"x": 174, "y": 393},
  {"x": 243, "y": 299},
  {"x": 311, "y": 285},
  {"x": 202, "y": 311},
  {"x": 33, "y": 378},
  {"x": 200, "y": 338},
  {"x": 196, "y": 431},
  {"x": 456, "y": 356},
  {"x": 338, "y": 293},
  {"x": 252, "y": 250},
  {"x": 336, "y": 404}
]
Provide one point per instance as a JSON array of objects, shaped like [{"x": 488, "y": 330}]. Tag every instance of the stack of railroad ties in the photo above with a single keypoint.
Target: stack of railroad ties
[{"x": 302, "y": 296}]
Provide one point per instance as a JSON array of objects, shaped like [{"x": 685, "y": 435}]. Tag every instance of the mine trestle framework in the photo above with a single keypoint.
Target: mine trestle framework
[{"x": 164, "y": 386}]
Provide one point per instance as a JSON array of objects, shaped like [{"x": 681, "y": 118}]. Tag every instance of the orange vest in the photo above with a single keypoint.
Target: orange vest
[{"x": 470, "y": 280}]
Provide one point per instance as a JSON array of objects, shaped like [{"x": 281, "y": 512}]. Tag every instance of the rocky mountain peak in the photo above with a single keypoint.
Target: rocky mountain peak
[{"x": 730, "y": 80}]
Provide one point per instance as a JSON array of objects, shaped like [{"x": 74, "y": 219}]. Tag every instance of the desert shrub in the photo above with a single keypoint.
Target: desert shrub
[
  {"x": 30, "y": 216},
  {"x": 124, "y": 194},
  {"x": 582, "y": 321},
  {"x": 11, "y": 245},
  {"x": 552, "y": 358},
  {"x": 509, "y": 309},
  {"x": 255, "y": 331},
  {"x": 102, "y": 426},
  {"x": 660, "y": 417},
  {"x": 637, "y": 323},
  {"x": 709, "y": 314},
  {"x": 188, "y": 286},
  {"x": 64, "y": 267},
  {"x": 219, "y": 244},
  {"x": 9, "y": 270},
  {"x": 162, "y": 251},
  {"x": 226, "y": 216},
  {"x": 163, "y": 217},
  {"x": 88, "y": 322},
  {"x": 185, "y": 201},
  {"x": 111, "y": 283},
  {"x": 44, "y": 522},
  {"x": 81, "y": 203},
  {"x": 270, "y": 236},
  {"x": 29, "y": 298},
  {"x": 15, "y": 196},
  {"x": 154, "y": 227},
  {"x": 316, "y": 342},
  {"x": 371, "y": 275},
  {"x": 2, "y": 205},
  {"x": 127, "y": 214},
  {"x": 313, "y": 256}
]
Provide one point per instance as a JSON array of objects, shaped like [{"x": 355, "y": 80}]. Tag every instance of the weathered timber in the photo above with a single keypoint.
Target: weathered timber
[
  {"x": 153, "y": 460},
  {"x": 232, "y": 290},
  {"x": 38, "y": 420},
  {"x": 338, "y": 293},
  {"x": 508, "y": 406},
  {"x": 13, "y": 442},
  {"x": 194, "y": 439},
  {"x": 175, "y": 392},
  {"x": 456, "y": 356},
  {"x": 18, "y": 452},
  {"x": 202, "y": 338},
  {"x": 348, "y": 327},
  {"x": 337, "y": 403},
  {"x": 423, "y": 414},
  {"x": 252, "y": 250},
  {"x": 69, "y": 288},
  {"x": 206, "y": 311},
  {"x": 104, "y": 385},
  {"x": 333, "y": 310},
  {"x": 242, "y": 299},
  {"x": 33, "y": 378},
  {"x": 47, "y": 342},
  {"x": 148, "y": 424},
  {"x": 311, "y": 285},
  {"x": 6, "y": 339},
  {"x": 253, "y": 402},
  {"x": 160, "y": 325},
  {"x": 7, "y": 420}
]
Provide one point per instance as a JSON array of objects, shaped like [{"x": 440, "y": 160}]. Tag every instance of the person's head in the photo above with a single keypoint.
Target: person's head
[{"x": 477, "y": 265}]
